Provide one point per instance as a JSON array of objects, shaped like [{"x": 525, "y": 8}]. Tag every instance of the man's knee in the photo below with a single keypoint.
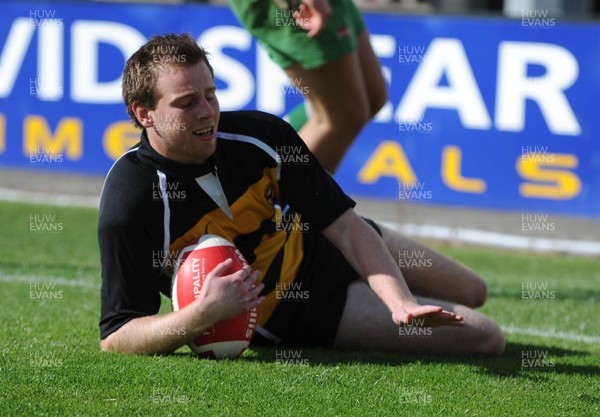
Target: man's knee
[
  {"x": 351, "y": 125},
  {"x": 491, "y": 341},
  {"x": 479, "y": 293}
]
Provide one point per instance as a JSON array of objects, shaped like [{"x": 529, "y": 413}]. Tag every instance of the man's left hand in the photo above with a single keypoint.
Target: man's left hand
[{"x": 425, "y": 316}]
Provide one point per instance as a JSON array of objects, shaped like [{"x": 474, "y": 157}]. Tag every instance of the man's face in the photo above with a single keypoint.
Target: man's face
[{"x": 183, "y": 125}]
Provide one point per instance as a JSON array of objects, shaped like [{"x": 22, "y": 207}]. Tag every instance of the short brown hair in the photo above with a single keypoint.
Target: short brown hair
[{"x": 142, "y": 69}]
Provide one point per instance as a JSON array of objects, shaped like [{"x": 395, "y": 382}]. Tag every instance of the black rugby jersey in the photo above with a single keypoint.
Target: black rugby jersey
[{"x": 262, "y": 189}]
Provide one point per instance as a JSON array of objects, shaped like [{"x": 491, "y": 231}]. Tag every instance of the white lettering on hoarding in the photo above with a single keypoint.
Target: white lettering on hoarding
[
  {"x": 444, "y": 57},
  {"x": 270, "y": 80},
  {"x": 514, "y": 87},
  {"x": 50, "y": 61},
  {"x": 13, "y": 53},
  {"x": 87, "y": 36},
  {"x": 237, "y": 77},
  {"x": 384, "y": 46}
]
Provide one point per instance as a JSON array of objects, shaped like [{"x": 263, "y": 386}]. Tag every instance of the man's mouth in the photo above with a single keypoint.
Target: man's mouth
[{"x": 203, "y": 132}]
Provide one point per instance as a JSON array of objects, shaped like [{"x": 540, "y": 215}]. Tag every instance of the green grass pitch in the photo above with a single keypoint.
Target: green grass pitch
[{"x": 51, "y": 364}]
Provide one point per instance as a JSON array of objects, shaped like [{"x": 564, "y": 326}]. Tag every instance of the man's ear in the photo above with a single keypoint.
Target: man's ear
[{"x": 142, "y": 114}]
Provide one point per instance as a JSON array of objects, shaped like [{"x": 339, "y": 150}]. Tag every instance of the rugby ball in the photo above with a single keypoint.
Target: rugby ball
[{"x": 226, "y": 339}]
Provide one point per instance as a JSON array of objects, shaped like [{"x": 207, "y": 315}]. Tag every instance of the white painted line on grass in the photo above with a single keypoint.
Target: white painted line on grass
[
  {"x": 62, "y": 200},
  {"x": 551, "y": 334},
  {"x": 495, "y": 239},
  {"x": 63, "y": 282}
]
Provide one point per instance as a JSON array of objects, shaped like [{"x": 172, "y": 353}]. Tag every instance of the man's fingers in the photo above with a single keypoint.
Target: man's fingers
[
  {"x": 252, "y": 290},
  {"x": 245, "y": 281},
  {"x": 425, "y": 310},
  {"x": 252, "y": 298},
  {"x": 252, "y": 277},
  {"x": 255, "y": 290},
  {"x": 255, "y": 303},
  {"x": 430, "y": 316},
  {"x": 220, "y": 269}
]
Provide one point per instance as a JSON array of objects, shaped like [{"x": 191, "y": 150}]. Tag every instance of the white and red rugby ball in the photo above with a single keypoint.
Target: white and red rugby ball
[{"x": 226, "y": 339}]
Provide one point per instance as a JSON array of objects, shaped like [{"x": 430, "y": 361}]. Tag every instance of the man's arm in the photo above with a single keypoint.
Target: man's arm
[
  {"x": 222, "y": 297},
  {"x": 368, "y": 255}
]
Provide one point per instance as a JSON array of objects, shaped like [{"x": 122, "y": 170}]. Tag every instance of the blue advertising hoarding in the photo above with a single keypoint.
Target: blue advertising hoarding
[{"x": 482, "y": 112}]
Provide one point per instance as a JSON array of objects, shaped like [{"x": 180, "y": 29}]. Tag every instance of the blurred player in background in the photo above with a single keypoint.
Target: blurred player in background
[
  {"x": 231, "y": 181},
  {"x": 323, "y": 46}
]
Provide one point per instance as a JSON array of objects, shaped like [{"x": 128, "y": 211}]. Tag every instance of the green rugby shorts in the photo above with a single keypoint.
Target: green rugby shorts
[{"x": 273, "y": 24}]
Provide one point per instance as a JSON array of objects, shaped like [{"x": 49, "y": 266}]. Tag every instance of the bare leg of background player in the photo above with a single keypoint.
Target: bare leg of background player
[{"x": 343, "y": 96}]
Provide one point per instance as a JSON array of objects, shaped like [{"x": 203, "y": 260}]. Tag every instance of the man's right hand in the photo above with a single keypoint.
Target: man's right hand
[{"x": 225, "y": 297}]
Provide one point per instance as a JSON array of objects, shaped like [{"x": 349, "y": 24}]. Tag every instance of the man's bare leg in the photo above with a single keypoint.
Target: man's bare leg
[
  {"x": 366, "y": 324},
  {"x": 431, "y": 274},
  {"x": 343, "y": 96}
]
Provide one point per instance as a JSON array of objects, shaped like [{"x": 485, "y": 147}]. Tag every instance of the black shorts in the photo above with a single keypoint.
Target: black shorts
[{"x": 311, "y": 317}]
